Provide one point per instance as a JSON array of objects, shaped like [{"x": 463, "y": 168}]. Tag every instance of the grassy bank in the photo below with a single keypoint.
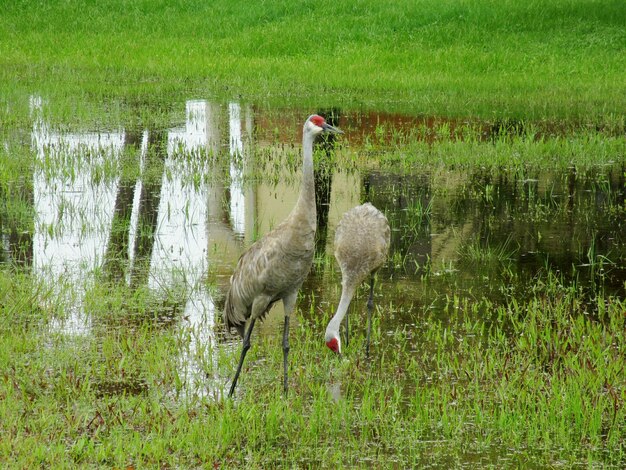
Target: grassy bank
[
  {"x": 538, "y": 384},
  {"x": 563, "y": 59}
]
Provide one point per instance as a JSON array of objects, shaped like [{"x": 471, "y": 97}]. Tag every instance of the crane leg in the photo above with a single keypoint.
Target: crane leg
[
  {"x": 285, "y": 351},
  {"x": 370, "y": 307},
  {"x": 244, "y": 350},
  {"x": 288, "y": 304},
  {"x": 347, "y": 329}
]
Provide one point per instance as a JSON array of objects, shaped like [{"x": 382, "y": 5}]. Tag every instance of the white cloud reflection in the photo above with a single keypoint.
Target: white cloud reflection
[{"x": 75, "y": 205}]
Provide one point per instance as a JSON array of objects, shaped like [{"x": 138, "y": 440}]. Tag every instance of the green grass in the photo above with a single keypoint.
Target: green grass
[
  {"x": 490, "y": 59},
  {"x": 532, "y": 378},
  {"x": 536, "y": 377},
  {"x": 503, "y": 369},
  {"x": 467, "y": 148}
]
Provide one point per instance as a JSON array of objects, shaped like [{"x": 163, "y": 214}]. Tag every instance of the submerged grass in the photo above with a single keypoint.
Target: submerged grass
[
  {"x": 585, "y": 148},
  {"x": 485, "y": 58},
  {"x": 527, "y": 383}
]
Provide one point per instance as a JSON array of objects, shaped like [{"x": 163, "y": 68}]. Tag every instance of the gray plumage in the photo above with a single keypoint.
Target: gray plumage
[
  {"x": 362, "y": 243},
  {"x": 275, "y": 267},
  {"x": 271, "y": 269}
]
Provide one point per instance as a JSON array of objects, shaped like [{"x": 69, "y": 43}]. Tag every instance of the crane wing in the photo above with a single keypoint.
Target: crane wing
[{"x": 251, "y": 279}]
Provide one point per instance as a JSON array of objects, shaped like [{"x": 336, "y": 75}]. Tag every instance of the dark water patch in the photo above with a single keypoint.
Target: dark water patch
[
  {"x": 503, "y": 128},
  {"x": 389, "y": 129},
  {"x": 571, "y": 225},
  {"x": 126, "y": 387}
]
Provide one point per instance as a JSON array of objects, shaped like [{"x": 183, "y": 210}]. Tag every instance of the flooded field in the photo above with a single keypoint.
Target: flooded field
[{"x": 122, "y": 227}]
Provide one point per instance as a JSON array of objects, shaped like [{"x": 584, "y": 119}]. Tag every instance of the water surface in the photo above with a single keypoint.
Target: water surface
[{"x": 172, "y": 208}]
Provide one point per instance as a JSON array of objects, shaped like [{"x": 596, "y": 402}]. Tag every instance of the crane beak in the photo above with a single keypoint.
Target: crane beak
[{"x": 333, "y": 130}]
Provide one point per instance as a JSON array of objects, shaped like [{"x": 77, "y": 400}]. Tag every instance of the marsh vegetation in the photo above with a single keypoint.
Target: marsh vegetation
[
  {"x": 141, "y": 153},
  {"x": 497, "y": 337}
]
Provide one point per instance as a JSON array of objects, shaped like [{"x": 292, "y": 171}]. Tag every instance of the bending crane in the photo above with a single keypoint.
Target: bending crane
[{"x": 361, "y": 246}]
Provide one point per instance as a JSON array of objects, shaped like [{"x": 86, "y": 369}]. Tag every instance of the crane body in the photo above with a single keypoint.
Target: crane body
[
  {"x": 362, "y": 242},
  {"x": 276, "y": 265}
]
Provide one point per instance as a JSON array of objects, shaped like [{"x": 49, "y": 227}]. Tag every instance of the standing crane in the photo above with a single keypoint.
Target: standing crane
[
  {"x": 361, "y": 247},
  {"x": 275, "y": 266}
]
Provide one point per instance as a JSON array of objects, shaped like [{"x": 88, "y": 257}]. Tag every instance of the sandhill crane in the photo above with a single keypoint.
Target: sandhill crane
[
  {"x": 361, "y": 246},
  {"x": 276, "y": 265}
]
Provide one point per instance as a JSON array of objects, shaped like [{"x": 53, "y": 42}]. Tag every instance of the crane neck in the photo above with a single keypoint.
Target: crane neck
[
  {"x": 347, "y": 292},
  {"x": 306, "y": 199}
]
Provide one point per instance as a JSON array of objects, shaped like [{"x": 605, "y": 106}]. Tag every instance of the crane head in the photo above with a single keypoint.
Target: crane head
[
  {"x": 334, "y": 344},
  {"x": 316, "y": 124}
]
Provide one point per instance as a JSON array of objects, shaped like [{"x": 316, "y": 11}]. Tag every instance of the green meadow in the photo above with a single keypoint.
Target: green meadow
[
  {"x": 560, "y": 59},
  {"x": 486, "y": 357},
  {"x": 540, "y": 383}
]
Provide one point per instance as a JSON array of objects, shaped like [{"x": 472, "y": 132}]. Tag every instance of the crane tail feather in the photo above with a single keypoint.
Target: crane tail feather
[{"x": 231, "y": 319}]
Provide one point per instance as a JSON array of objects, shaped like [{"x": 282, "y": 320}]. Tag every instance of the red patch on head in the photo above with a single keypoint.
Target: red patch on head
[
  {"x": 333, "y": 344},
  {"x": 319, "y": 121}
]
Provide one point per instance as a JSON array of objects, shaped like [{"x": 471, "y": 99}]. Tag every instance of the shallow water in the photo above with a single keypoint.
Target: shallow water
[{"x": 195, "y": 195}]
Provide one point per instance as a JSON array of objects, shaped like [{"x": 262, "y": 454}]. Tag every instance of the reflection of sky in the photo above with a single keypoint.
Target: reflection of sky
[
  {"x": 185, "y": 229},
  {"x": 134, "y": 215},
  {"x": 200, "y": 312},
  {"x": 75, "y": 204},
  {"x": 237, "y": 208},
  {"x": 180, "y": 244},
  {"x": 74, "y": 207}
]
